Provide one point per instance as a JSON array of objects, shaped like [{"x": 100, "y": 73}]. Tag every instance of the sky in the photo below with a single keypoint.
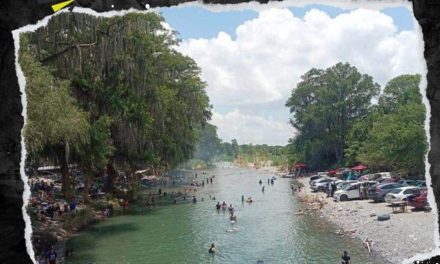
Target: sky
[{"x": 251, "y": 60}]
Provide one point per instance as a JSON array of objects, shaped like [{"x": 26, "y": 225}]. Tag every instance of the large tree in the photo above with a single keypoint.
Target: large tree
[
  {"x": 397, "y": 139},
  {"x": 54, "y": 122},
  {"x": 324, "y": 106},
  {"x": 127, "y": 70}
]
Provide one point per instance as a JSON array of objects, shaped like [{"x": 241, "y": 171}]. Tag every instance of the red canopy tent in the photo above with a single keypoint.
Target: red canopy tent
[
  {"x": 359, "y": 167},
  {"x": 331, "y": 172},
  {"x": 300, "y": 165}
]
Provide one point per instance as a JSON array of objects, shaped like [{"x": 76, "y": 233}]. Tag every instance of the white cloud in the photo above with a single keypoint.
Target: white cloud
[
  {"x": 264, "y": 63},
  {"x": 251, "y": 128}
]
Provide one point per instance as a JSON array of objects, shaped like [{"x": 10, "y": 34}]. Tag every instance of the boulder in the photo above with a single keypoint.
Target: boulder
[{"x": 383, "y": 217}]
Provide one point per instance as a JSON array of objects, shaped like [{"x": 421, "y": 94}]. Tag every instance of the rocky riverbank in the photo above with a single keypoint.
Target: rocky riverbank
[{"x": 401, "y": 237}]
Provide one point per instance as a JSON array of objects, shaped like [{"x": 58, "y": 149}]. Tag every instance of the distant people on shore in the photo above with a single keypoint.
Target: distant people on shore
[
  {"x": 51, "y": 256},
  {"x": 333, "y": 184},
  {"x": 361, "y": 191}
]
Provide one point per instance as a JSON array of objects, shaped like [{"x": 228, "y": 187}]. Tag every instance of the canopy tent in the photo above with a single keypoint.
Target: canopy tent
[
  {"x": 332, "y": 172},
  {"x": 359, "y": 168},
  {"x": 300, "y": 165}
]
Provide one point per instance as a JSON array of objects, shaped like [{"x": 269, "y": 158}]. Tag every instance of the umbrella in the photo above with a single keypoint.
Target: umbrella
[{"x": 359, "y": 167}]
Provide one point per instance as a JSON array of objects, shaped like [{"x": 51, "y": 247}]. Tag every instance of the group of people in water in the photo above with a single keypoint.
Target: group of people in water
[{"x": 269, "y": 181}]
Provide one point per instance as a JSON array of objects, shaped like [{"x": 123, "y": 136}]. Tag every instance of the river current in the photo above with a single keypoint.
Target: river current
[{"x": 266, "y": 229}]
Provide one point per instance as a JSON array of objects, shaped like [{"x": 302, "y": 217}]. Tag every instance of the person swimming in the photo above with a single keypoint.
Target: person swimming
[
  {"x": 231, "y": 208},
  {"x": 218, "y": 206},
  {"x": 261, "y": 182},
  {"x": 212, "y": 249},
  {"x": 262, "y": 189}
]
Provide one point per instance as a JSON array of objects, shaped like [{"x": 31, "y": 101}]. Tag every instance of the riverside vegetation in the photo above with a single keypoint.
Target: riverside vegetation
[{"x": 110, "y": 96}]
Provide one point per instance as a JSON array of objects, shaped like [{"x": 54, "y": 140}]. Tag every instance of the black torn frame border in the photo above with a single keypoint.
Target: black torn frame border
[{"x": 18, "y": 13}]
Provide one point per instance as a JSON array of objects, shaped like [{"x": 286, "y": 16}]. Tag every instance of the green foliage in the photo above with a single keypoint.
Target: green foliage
[
  {"x": 95, "y": 153},
  {"x": 332, "y": 111},
  {"x": 324, "y": 107},
  {"x": 79, "y": 220},
  {"x": 53, "y": 117},
  {"x": 397, "y": 138},
  {"x": 122, "y": 92},
  {"x": 208, "y": 144}
]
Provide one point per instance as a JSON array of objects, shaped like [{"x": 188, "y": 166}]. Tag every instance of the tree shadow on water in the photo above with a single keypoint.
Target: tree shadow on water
[{"x": 113, "y": 229}]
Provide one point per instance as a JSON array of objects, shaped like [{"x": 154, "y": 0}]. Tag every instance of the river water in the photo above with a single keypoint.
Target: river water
[{"x": 267, "y": 229}]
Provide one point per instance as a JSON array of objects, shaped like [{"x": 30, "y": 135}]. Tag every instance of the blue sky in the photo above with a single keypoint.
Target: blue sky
[
  {"x": 198, "y": 22},
  {"x": 250, "y": 78}
]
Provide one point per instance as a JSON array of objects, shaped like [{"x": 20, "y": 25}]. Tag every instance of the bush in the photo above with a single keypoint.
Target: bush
[{"x": 80, "y": 219}]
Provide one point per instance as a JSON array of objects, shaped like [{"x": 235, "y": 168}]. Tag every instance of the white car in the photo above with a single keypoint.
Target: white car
[
  {"x": 341, "y": 184},
  {"x": 320, "y": 184},
  {"x": 400, "y": 194},
  {"x": 348, "y": 192}
]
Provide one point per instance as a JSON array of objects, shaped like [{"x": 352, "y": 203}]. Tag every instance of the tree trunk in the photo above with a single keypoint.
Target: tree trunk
[
  {"x": 65, "y": 175},
  {"x": 111, "y": 174},
  {"x": 87, "y": 183}
]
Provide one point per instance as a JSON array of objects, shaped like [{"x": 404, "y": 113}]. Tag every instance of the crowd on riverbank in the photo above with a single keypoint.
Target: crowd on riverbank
[
  {"x": 397, "y": 239},
  {"x": 54, "y": 220}
]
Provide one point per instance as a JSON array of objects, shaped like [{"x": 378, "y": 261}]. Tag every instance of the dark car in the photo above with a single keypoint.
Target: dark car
[
  {"x": 377, "y": 192},
  {"x": 406, "y": 182}
]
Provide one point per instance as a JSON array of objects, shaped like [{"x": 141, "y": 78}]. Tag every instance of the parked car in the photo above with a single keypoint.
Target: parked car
[
  {"x": 421, "y": 184},
  {"x": 378, "y": 191},
  {"x": 368, "y": 184},
  {"x": 384, "y": 175},
  {"x": 388, "y": 180},
  {"x": 400, "y": 194},
  {"x": 314, "y": 177},
  {"x": 419, "y": 199},
  {"x": 320, "y": 184},
  {"x": 342, "y": 184},
  {"x": 348, "y": 192},
  {"x": 405, "y": 182}
]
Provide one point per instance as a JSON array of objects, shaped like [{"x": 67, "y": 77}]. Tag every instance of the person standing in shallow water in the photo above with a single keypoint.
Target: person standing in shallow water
[
  {"x": 345, "y": 258},
  {"x": 212, "y": 249}
]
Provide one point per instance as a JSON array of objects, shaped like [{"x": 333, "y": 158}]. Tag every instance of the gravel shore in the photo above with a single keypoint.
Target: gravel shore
[{"x": 401, "y": 237}]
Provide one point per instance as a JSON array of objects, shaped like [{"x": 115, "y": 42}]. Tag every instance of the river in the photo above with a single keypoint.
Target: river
[{"x": 267, "y": 229}]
